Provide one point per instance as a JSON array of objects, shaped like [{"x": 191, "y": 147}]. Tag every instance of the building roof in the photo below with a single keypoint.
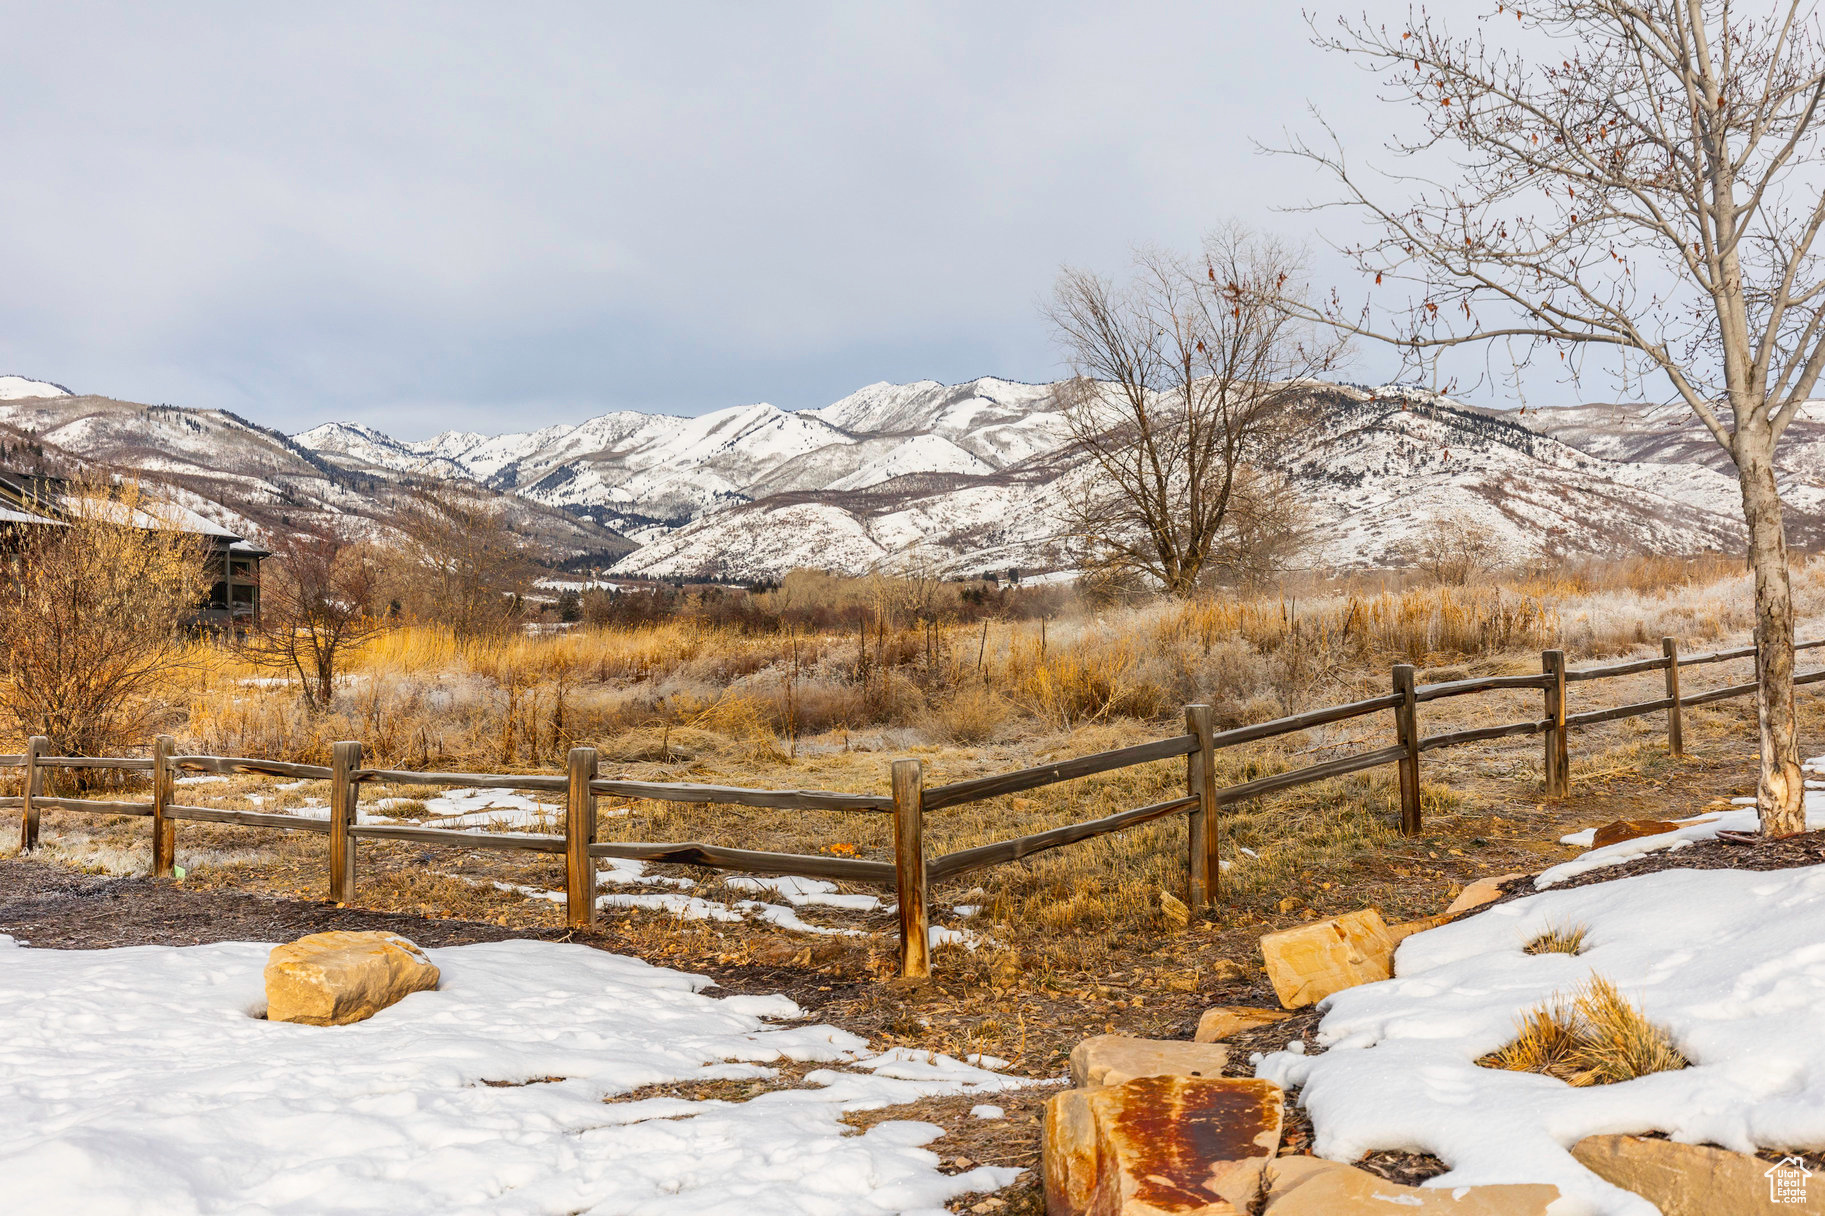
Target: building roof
[{"x": 33, "y": 499}]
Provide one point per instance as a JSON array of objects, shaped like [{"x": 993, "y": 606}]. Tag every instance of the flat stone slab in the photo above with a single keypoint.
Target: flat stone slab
[
  {"x": 1482, "y": 891},
  {"x": 1698, "y": 1179},
  {"x": 1112, "y": 1059},
  {"x": 1221, "y": 1021},
  {"x": 1312, "y": 1186}
]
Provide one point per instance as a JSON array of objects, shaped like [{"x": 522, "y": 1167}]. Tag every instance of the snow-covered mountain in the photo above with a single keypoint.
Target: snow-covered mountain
[
  {"x": 253, "y": 481},
  {"x": 961, "y": 478},
  {"x": 970, "y": 477}
]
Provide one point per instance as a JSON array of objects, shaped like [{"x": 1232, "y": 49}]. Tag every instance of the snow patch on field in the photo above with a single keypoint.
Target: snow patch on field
[
  {"x": 482, "y": 808},
  {"x": 801, "y": 891},
  {"x": 135, "y": 1081},
  {"x": 1730, "y": 962}
]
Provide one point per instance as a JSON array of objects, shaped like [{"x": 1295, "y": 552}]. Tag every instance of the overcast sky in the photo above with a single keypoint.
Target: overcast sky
[{"x": 499, "y": 216}]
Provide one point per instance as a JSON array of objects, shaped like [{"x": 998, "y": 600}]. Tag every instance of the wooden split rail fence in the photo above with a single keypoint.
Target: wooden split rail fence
[{"x": 912, "y": 871}]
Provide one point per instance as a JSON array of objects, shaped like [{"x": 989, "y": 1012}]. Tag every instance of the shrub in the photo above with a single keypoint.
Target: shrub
[
  {"x": 91, "y": 622},
  {"x": 1596, "y": 1038}
]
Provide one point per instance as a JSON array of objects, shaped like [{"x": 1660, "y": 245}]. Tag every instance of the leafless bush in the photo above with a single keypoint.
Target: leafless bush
[
  {"x": 317, "y": 603},
  {"x": 92, "y": 620}
]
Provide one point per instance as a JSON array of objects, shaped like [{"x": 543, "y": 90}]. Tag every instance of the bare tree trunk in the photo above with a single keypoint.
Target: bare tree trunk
[{"x": 1780, "y": 797}]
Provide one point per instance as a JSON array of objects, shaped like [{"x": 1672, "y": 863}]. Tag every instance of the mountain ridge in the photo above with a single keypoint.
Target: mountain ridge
[{"x": 969, "y": 477}]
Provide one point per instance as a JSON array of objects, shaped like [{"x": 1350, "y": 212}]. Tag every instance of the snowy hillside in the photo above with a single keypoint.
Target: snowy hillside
[
  {"x": 13, "y": 388},
  {"x": 254, "y": 481},
  {"x": 960, "y": 478},
  {"x": 968, "y": 478},
  {"x": 1373, "y": 466}
]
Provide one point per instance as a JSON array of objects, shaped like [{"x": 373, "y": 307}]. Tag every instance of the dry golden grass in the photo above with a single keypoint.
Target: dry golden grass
[
  {"x": 1559, "y": 941},
  {"x": 688, "y": 701},
  {"x": 1596, "y": 1038}
]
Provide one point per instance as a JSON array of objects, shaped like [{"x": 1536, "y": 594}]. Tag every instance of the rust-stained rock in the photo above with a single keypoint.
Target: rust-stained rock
[
  {"x": 1221, "y": 1021},
  {"x": 1111, "y": 1059},
  {"x": 1164, "y": 1144},
  {"x": 1068, "y": 1160},
  {"x": 1482, "y": 891},
  {"x": 1695, "y": 1179},
  {"x": 332, "y": 979},
  {"x": 1630, "y": 829},
  {"x": 1311, "y": 1186},
  {"x": 1310, "y": 962}
]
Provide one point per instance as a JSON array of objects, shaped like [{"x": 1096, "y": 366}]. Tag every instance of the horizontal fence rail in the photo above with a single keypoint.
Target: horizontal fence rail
[{"x": 910, "y": 873}]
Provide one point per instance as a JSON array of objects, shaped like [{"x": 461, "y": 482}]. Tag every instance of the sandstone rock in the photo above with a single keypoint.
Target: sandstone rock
[
  {"x": 1630, "y": 829},
  {"x": 1309, "y": 963},
  {"x": 1243, "y": 1185},
  {"x": 332, "y": 979},
  {"x": 1112, "y": 1059},
  {"x": 1311, "y": 1186},
  {"x": 1692, "y": 1179},
  {"x": 1227, "y": 971},
  {"x": 1406, "y": 929},
  {"x": 1068, "y": 1160},
  {"x": 1478, "y": 893},
  {"x": 1221, "y": 1021},
  {"x": 1155, "y": 1146}
]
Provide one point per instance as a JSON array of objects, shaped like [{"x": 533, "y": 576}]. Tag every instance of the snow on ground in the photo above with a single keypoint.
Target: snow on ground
[
  {"x": 482, "y": 808},
  {"x": 621, "y": 871},
  {"x": 687, "y": 907},
  {"x": 1730, "y": 962},
  {"x": 1690, "y": 832},
  {"x": 801, "y": 891},
  {"x": 138, "y": 1081}
]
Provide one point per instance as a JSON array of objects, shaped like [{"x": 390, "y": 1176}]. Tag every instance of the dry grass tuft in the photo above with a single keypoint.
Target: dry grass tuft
[
  {"x": 1559, "y": 941},
  {"x": 1597, "y": 1038}
]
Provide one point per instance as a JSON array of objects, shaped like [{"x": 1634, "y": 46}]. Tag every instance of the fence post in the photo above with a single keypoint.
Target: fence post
[
  {"x": 345, "y": 758},
  {"x": 1201, "y": 783},
  {"x": 1676, "y": 743},
  {"x": 31, "y": 791},
  {"x": 909, "y": 868},
  {"x": 579, "y": 834},
  {"x": 164, "y": 831},
  {"x": 1557, "y": 760},
  {"x": 1406, "y": 732}
]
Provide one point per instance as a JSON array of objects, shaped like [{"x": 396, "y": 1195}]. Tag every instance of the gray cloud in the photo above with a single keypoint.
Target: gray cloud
[{"x": 497, "y": 216}]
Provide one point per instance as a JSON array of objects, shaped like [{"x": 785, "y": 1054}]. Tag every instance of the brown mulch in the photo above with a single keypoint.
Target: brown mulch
[
  {"x": 42, "y": 905},
  {"x": 1753, "y": 853}
]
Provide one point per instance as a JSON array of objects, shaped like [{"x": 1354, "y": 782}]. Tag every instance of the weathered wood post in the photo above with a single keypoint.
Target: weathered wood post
[
  {"x": 1676, "y": 743},
  {"x": 345, "y": 758},
  {"x": 1201, "y": 783},
  {"x": 1556, "y": 761},
  {"x": 164, "y": 831},
  {"x": 31, "y": 791},
  {"x": 579, "y": 834},
  {"x": 1406, "y": 732},
  {"x": 909, "y": 868}
]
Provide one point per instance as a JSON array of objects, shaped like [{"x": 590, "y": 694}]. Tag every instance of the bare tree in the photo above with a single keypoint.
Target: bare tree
[
  {"x": 1453, "y": 549},
  {"x": 92, "y": 618},
  {"x": 1641, "y": 177},
  {"x": 1184, "y": 381},
  {"x": 317, "y": 603},
  {"x": 465, "y": 568}
]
